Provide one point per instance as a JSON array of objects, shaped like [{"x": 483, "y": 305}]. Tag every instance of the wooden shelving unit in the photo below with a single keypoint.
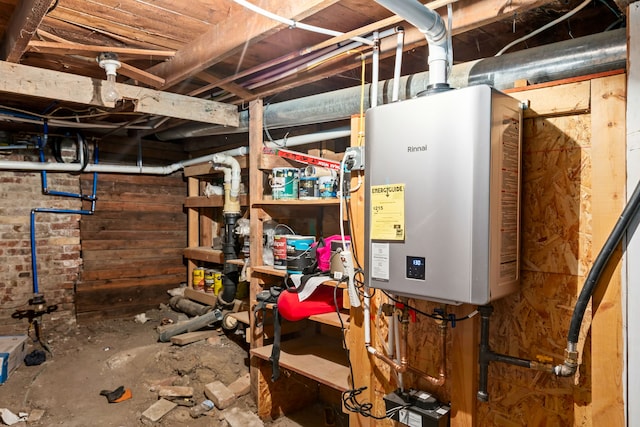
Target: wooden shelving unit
[{"x": 317, "y": 354}]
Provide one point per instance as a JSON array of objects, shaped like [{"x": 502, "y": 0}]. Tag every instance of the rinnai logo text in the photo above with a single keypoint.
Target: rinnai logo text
[{"x": 413, "y": 148}]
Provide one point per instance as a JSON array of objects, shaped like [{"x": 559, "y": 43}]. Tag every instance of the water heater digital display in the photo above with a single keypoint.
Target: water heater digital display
[
  {"x": 442, "y": 199},
  {"x": 415, "y": 267}
]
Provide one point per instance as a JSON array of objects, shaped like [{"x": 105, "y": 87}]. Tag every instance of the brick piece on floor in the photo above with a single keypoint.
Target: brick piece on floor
[
  {"x": 158, "y": 410},
  {"x": 155, "y": 384},
  {"x": 221, "y": 396},
  {"x": 236, "y": 417},
  {"x": 175, "y": 391},
  {"x": 241, "y": 386}
]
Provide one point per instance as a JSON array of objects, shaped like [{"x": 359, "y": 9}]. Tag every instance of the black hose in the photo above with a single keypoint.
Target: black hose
[{"x": 601, "y": 262}]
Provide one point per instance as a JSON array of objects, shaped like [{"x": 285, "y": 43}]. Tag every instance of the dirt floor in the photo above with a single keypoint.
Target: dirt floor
[{"x": 111, "y": 353}]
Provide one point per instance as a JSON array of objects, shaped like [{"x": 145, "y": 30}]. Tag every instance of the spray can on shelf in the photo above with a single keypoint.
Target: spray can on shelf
[
  {"x": 209, "y": 281},
  {"x": 198, "y": 279}
]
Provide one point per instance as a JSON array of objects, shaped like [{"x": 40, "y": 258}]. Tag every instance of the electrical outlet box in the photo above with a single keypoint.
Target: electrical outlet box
[{"x": 358, "y": 157}]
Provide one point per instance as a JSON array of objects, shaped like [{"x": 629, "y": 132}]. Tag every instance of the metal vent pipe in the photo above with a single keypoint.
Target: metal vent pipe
[
  {"x": 429, "y": 23},
  {"x": 576, "y": 57}
]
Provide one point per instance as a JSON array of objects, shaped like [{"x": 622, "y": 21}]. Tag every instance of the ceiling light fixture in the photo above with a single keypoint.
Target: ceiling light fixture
[{"x": 109, "y": 61}]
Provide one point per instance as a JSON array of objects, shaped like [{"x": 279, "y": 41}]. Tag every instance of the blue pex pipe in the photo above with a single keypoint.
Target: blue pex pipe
[{"x": 92, "y": 198}]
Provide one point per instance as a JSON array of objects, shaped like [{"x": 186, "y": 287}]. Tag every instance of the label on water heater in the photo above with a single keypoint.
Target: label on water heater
[{"x": 380, "y": 261}]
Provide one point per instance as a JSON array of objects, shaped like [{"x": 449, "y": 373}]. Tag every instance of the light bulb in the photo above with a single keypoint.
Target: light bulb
[
  {"x": 109, "y": 62},
  {"x": 110, "y": 94}
]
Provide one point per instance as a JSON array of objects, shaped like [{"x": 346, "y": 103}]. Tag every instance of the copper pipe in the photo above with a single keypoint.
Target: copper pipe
[{"x": 403, "y": 366}]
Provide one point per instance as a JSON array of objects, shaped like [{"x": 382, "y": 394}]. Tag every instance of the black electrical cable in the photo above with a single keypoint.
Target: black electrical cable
[
  {"x": 52, "y": 7},
  {"x": 599, "y": 265},
  {"x": 432, "y": 316}
]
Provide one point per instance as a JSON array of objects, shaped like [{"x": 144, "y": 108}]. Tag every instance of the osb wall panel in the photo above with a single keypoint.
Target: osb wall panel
[
  {"x": 556, "y": 241},
  {"x": 132, "y": 245}
]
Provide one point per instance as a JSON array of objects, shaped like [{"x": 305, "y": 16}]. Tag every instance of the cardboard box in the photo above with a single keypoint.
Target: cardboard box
[{"x": 13, "y": 349}]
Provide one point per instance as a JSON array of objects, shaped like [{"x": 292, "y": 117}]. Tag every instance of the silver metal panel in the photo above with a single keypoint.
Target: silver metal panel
[{"x": 447, "y": 204}]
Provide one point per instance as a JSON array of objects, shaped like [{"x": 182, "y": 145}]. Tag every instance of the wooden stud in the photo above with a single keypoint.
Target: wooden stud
[{"x": 608, "y": 192}]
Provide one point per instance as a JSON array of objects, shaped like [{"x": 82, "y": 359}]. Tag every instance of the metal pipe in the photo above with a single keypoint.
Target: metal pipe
[
  {"x": 402, "y": 365},
  {"x": 486, "y": 356},
  {"x": 580, "y": 56},
  {"x": 432, "y": 26}
]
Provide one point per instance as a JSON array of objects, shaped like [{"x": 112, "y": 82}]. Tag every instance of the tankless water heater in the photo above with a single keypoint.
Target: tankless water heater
[{"x": 443, "y": 196}]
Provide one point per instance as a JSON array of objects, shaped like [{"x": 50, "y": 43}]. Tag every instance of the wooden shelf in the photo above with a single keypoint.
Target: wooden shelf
[
  {"x": 239, "y": 262},
  {"x": 204, "y": 253},
  {"x": 331, "y": 319},
  {"x": 297, "y": 202},
  {"x": 265, "y": 269},
  {"x": 201, "y": 297},
  {"x": 322, "y": 360}
]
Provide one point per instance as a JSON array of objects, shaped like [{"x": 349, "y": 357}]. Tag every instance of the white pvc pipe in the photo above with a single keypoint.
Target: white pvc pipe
[
  {"x": 395, "y": 93},
  {"x": 373, "y": 102},
  {"x": 366, "y": 313},
  {"x": 169, "y": 169},
  {"x": 235, "y": 172},
  {"x": 101, "y": 168}
]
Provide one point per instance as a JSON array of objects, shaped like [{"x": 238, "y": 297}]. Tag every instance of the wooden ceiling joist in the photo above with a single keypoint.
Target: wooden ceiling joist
[
  {"x": 234, "y": 88},
  {"x": 228, "y": 37},
  {"x": 91, "y": 50},
  {"x": 22, "y": 26}
]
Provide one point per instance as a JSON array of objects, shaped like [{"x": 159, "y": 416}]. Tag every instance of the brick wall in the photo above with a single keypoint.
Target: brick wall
[{"x": 57, "y": 242}]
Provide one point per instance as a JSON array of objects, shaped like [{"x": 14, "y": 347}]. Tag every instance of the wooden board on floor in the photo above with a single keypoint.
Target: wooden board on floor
[{"x": 191, "y": 337}]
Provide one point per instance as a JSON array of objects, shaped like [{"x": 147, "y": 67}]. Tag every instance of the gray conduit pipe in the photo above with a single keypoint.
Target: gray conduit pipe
[{"x": 576, "y": 57}]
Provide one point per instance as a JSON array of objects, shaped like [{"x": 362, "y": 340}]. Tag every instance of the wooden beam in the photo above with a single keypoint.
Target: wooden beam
[
  {"x": 608, "y": 152},
  {"x": 140, "y": 75},
  {"x": 59, "y": 48},
  {"x": 38, "y": 82},
  {"x": 229, "y": 36},
  {"x": 22, "y": 26}
]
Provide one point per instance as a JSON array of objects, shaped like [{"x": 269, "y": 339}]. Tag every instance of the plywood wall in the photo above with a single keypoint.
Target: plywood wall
[{"x": 573, "y": 191}]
